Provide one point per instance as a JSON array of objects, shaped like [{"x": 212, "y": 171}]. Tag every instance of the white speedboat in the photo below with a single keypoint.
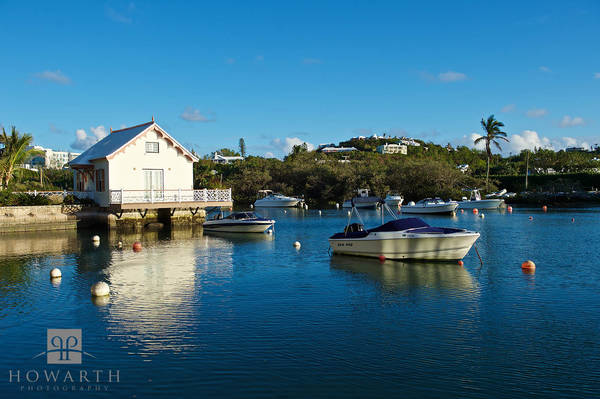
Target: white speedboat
[
  {"x": 394, "y": 200},
  {"x": 475, "y": 201},
  {"x": 409, "y": 238},
  {"x": 268, "y": 198},
  {"x": 238, "y": 222},
  {"x": 430, "y": 206},
  {"x": 362, "y": 200}
]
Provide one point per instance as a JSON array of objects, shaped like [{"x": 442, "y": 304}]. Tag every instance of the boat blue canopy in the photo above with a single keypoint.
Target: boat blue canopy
[{"x": 400, "y": 224}]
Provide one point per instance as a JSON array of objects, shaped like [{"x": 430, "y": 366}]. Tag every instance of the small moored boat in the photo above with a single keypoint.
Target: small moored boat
[
  {"x": 475, "y": 201},
  {"x": 409, "y": 238},
  {"x": 238, "y": 222},
  {"x": 394, "y": 200},
  {"x": 362, "y": 200},
  {"x": 269, "y": 199},
  {"x": 430, "y": 206}
]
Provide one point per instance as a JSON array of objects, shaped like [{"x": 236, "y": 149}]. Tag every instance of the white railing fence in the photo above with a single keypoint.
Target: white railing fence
[
  {"x": 147, "y": 196},
  {"x": 173, "y": 196}
]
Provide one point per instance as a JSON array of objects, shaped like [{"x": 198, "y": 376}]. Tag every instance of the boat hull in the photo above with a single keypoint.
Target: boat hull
[
  {"x": 361, "y": 205},
  {"x": 396, "y": 245},
  {"x": 276, "y": 203},
  {"x": 238, "y": 227},
  {"x": 430, "y": 209},
  {"x": 481, "y": 204}
]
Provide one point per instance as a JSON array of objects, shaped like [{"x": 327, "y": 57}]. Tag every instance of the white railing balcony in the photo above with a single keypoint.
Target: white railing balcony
[{"x": 168, "y": 196}]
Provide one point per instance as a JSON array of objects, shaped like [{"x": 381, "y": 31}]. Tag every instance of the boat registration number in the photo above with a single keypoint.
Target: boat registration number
[{"x": 347, "y": 244}]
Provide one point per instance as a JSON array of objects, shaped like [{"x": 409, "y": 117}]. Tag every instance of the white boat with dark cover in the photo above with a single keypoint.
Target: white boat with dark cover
[
  {"x": 362, "y": 200},
  {"x": 409, "y": 238},
  {"x": 269, "y": 199},
  {"x": 475, "y": 201},
  {"x": 430, "y": 206},
  {"x": 238, "y": 222}
]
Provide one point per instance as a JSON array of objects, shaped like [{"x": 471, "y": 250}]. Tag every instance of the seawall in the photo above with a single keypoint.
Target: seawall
[{"x": 70, "y": 217}]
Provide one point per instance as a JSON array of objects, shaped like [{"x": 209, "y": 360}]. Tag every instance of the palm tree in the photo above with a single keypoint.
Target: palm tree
[
  {"x": 15, "y": 152},
  {"x": 493, "y": 133}
]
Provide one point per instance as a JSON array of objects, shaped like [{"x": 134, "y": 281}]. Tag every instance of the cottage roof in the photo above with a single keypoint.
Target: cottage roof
[{"x": 119, "y": 139}]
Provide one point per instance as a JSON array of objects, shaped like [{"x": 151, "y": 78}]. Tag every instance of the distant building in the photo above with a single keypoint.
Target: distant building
[
  {"x": 328, "y": 150},
  {"x": 218, "y": 158},
  {"x": 392, "y": 149},
  {"x": 50, "y": 159},
  {"x": 463, "y": 168},
  {"x": 575, "y": 149},
  {"x": 409, "y": 141}
]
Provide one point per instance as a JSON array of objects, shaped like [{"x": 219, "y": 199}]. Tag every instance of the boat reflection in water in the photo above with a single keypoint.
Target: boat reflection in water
[{"x": 406, "y": 276}]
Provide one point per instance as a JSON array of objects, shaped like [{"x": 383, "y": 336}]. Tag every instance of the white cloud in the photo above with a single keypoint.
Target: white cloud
[
  {"x": 451, "y": 76},
  {"x": 83, "y": 141},
  {"x": 54, "y": 76},
  {"x": 508, "y": 108},
  {"x": 528, "y": 140},
  {"x": 193, "y": 115},
  {"x": 288, "y": 143},
  {"x": 471, "y": 141},
  {"x": 545, "y": 69},
  {"x": 120, "y": 16},
  {"x": 597, "y": 75},
  {"x": 311, "y": 61},
  {"x": 536, "y": 112},
  {"x": 568, "y": 121},
  {"x": 269, "y": 154}
]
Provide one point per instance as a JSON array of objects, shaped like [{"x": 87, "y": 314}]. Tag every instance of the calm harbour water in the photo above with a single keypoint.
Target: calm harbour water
[{"x": 237, "y": 316}]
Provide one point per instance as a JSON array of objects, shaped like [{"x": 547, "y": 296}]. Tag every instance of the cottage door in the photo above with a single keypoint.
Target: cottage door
[{"x": 154, "y": 185}]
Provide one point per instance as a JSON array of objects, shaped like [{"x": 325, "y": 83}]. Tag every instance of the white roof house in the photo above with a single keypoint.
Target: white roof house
[
  {"x": 392, "y": 149},
  {"x": 218, "y": 158},
  {"x": 139, "y": 167}
]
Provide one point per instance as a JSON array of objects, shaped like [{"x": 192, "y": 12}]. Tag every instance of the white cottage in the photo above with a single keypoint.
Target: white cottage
[{"x": 141, "y": 167}]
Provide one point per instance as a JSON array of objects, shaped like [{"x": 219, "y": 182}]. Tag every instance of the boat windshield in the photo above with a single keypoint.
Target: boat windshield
[{"x": 241, "y": 215}]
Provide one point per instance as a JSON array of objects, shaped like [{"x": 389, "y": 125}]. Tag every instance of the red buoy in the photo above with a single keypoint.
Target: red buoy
[
  {"x": 530, "y": 217},
  {"x": 475, "y": 211},
  {"x": 528, "y": 265},
  {"x": 462, "y": 211},
  {"x": 382, "y": 258},
  {"x": 572, "y": 220},
  {"x": 460, "y": 263},
  {"x": 137, "y": 246},
  {"x": 509, "y": 209},
  {"x": 545, "y": 208}
]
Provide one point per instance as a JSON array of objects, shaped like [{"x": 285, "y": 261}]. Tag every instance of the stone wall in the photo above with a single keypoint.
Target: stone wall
[
  {"x": 36, "y": 218},
  {"x": 70, "y": 217}
]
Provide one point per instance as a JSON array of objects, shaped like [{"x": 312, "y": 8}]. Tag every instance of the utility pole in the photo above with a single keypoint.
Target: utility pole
[{"x": 527, "y": 170}]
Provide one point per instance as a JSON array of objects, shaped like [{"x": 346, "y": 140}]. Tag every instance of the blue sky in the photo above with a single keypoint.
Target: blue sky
[{"x": 278, "y": 73}]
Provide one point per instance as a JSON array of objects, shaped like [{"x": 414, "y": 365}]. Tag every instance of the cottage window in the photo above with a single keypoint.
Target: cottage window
[
  {"x": 151, "y": 146},
  {"x": 100, "y": 180}
]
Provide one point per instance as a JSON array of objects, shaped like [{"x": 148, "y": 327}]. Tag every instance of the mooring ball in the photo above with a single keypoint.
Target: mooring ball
[
  {"x": 100, "y": 289},
  {"x": 545, "y": 208},
  {"x": 461, "y": 263},
  {"x": 475, "y": 211},
  {"x": 528, "y": 265},
  {"x": 297, "y": 244},
  {"x": 382, "y": 258},
  {"x": 96, "y": 238},
  {"x": 137, "y": 246},
  {"x": 482, "y": 215},
  {"x": 55, "y": 273},
  {"x": 509, "y": 209},
  {"x": 119, "y": 245}
]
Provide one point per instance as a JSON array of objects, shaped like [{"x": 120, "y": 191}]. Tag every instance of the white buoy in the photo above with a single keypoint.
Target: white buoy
[
  {"x": 269, "y": 231},
  {"x": 96, "y": 244},
  {"x": 319, "y": 213},
  {"x": 100, "y": 289},
  {"x": 55, "y": 273},
  {"x": 96, "y": 238},
  {"x": 337, "y": 206},
  {"x": 284, "y": 211},
  {"x": 349, "y": 213},
  {"x": 251, "y": 206},
  {"x": 481, "y": 215},
  {"x": 120, "y": 245},
  {"x": 297, "y": 244}
]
